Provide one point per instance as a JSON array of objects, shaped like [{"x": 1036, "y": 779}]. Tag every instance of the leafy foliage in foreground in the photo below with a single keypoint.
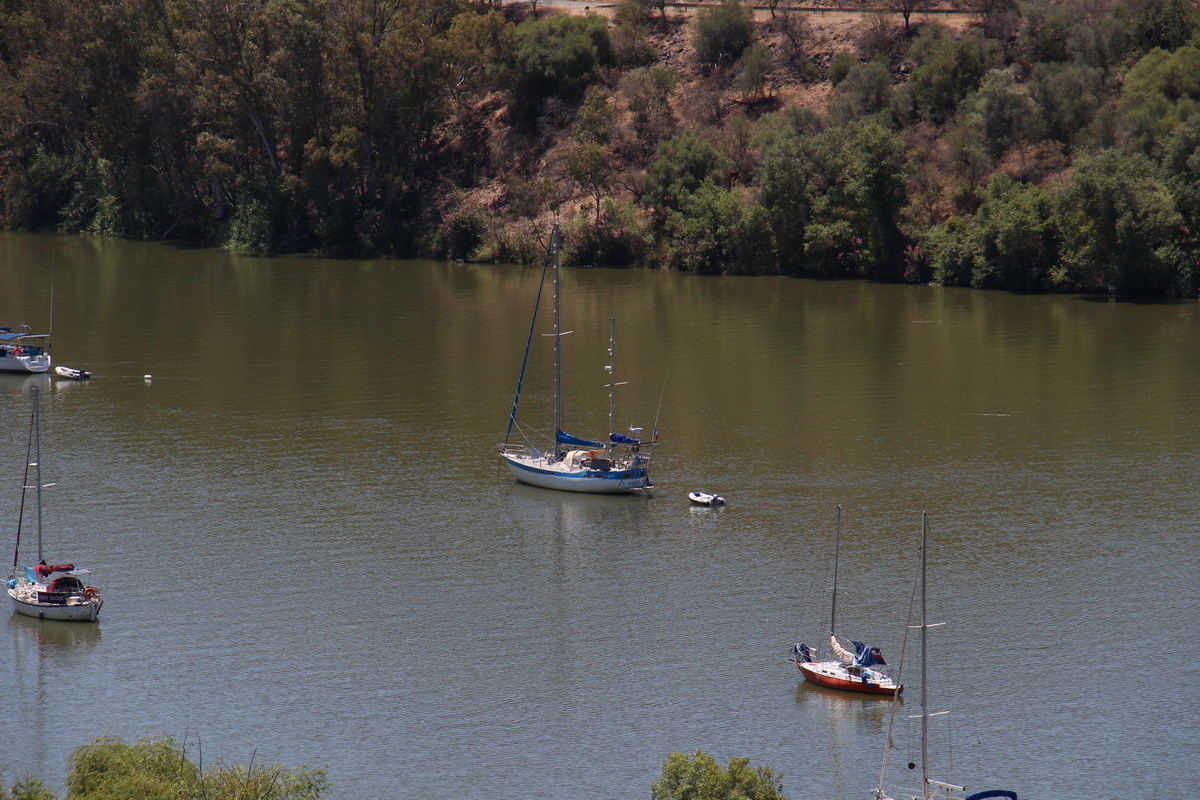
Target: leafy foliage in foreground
[
  {"x": 700, "y": 777},
  {"x": 158, "y": 769}
]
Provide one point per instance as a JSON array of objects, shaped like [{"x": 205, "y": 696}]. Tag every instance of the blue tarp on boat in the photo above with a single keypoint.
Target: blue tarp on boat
[
  {"x": 802, "y": 651},
  {"x": 865, "y": 656},
  {"x": 575, "y": 441},
  {"x": 620, "y": 438}
]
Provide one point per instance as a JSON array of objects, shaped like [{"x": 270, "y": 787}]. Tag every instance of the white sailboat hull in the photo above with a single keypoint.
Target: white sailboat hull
[
  {"x": 24, "y": 598},
  {"x": 540, "y": 471},
  {"x": 25, "y": 364}
]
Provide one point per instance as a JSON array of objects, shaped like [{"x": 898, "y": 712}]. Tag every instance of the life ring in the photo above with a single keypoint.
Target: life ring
[{"x": 91, "y": 593}]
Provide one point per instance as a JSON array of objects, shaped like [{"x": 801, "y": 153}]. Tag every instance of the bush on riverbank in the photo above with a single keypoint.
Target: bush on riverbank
[
  {"x": 1036, "y": 146},
  {"x": 159, "y": 769}
]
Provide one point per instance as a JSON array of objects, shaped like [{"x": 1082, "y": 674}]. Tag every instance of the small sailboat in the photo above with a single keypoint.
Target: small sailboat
[
  {"x": 620, "y": 465},
  {"x": 851, "y": 671},
  {"x": 930, "y": 789},
  {"x": 47, "y": 591}
]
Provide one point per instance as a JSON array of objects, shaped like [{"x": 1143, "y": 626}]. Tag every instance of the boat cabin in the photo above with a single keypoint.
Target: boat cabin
[
  {"x": 17, "y": 345},
  {"x": 63, "y": 588}
]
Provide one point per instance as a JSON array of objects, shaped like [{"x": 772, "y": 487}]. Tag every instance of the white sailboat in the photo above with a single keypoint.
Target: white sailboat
[
  {"x": 25, "y": 353},
  {"x": 618, "y": 465},
  {"x": 931, "y": 789},
  {"x": 856, "y": 671},
  {"x": 34, "y": 589}
]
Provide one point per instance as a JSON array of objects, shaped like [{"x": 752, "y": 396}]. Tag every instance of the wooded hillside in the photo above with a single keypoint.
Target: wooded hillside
[{"x": 1041, "y": 146}]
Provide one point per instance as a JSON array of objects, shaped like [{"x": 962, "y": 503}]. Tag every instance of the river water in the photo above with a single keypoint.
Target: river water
[{"x": 311, "y": 556}]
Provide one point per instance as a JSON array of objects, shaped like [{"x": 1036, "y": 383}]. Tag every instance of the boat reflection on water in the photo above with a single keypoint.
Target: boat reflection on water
[
  {"x": 50, "y": 637},
  {"x": 840, "y": 704},
  {"x": 852, "y": 725},
  {"x": 13, "y": 383}
]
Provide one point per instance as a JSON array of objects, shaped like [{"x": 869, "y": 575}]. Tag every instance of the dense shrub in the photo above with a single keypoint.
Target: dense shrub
[
  {"x": 1119, "y": 227},
  {"x": 684, "y": 163},
  {"x": 700, "y": 777},
  {"x": 946, "y": 70},
  {"x": 558, "y": 55},
  {"x": 723, "y": 32},
  {"x": 158, "y": 769}
]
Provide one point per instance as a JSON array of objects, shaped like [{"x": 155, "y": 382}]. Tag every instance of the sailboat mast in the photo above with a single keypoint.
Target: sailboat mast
[
  {"x": 37, "y": 461},
  {"x": 612, "y": 372},
  {"x": 557, "y": 354},
  {"x": 837, "y": 543},
  {"x": 924, "y": 664}
]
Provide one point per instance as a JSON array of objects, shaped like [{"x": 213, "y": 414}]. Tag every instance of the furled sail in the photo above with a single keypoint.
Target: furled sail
[
  {"x": 575, "y": 441},
  {"x": 865, "y": 656},
  {"x": 839, "y": 651},
  {"x": 802, "y": 651}
]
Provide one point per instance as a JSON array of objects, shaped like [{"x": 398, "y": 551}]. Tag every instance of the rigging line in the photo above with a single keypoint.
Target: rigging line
[
  {"x": 850, "y": 595},
  {"x": 50, "y": 333},
  {"x": 887, "y": 742},
  {"x": 512, "y": 416},
  {"x": 24, "y": 486},
  {"x": 523, "y": 430},
  {"x": 658, "y": 411}
]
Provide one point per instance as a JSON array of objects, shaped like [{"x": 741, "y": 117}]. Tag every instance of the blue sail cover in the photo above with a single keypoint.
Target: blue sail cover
[
  {"x": 802, "y": 651},
  {"x": 575, "y": 441},
  {"x": 620, "y": 438},
  {"x": 865, "y": 656}
]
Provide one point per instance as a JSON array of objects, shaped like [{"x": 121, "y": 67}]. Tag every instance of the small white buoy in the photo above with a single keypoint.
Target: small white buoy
[{"x": 148, "y": 376}]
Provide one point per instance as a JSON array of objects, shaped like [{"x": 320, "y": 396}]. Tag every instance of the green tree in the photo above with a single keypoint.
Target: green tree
[
  {"x": 1018, "y": 237},
  {"x": 968, "y": 159},
  {"x": 700, "y": 777},
  {"x": 714, "y": 233},
  {"x": 1098, "y": 42},
  {"x": 631, "y": 48},
  {"x": 1044, "y": 29},
  {"x": 1007, "y": 113},
  {"x": 648, "y": 91},
  {"x": 946, "y": 70},
  {"x": 784, "y": 195},
  {"x": 1120, "y": 228},
  {"x": 480, "y": 44},
  {"x": 683, "y": 164},
  {"x": 953, "y": 251},
  {"x": 1165, "y": 24},
  {"x": 619, "y": 237},
  {"x": 27, "y": 789},
  {"x": 723, "y": 32},
  {"x": 858, "y": 175},
  {"x": 1160, "y": 91},
  {"x": 755, "y": 65},
  {"x": 590, "y": 165},
  {"x": 157, "y": 769},
  {"x": 1181, "y": 169},
  {"x": 866, "y": 90},
  {"x": 1067, "y": 97},
  {"x": 840, "y": 66},
  {"x": 594, "y": 122},
  {"x": 559, "y": 55}
]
